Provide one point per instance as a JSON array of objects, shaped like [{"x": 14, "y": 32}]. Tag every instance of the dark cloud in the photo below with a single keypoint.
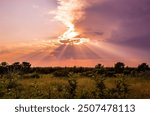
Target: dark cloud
[
  {"x": 120, "y": 21},
  {"x": 140, "y": 42}
]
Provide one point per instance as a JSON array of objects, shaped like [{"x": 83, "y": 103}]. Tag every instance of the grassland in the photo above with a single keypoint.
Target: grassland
[
  {"x": 49, "y": 87},
  {"x": 21, "y": 81}
]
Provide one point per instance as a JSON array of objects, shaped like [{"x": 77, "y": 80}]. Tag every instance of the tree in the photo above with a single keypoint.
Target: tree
[
  {"x": 4, "y": 64},
  {"x": 143, "y": 67},
  {"x": 3, "y": 67},
  {"x": 26, "y": 66},
  {"x": 16, "y": 66},
  {"x": 99, "y": 66},
  {"x": 99, "y": 69},
  {"x": 119, "y": 67}
]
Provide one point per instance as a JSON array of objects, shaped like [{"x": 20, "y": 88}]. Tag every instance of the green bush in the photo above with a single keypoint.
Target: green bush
[
  {"x": 2, "y": 87},
  {"x": 120, "y": 91},
  {"x": 31, "y": 76},
  {"x": 101, "y": 88},
  {"x": 61, "y": 73},
  {"x": 72, "y": 87}
]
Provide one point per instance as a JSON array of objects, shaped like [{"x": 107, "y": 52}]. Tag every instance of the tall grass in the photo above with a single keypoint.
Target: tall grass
[{"x": 47, "y": 86}]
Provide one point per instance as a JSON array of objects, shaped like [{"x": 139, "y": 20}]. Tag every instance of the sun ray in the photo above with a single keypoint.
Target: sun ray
[{"x": 117, "y": 52}]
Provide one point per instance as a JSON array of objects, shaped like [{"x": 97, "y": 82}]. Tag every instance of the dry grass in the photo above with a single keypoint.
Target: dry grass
[{"x": 48, "y": 86}]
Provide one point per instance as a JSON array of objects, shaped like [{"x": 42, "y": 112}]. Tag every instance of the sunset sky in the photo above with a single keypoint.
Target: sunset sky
[{"x": 108, "y": 30}]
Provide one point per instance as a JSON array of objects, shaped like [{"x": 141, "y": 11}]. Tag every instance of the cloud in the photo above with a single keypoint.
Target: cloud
[
  {"x": 35, "y": 6},
  {"x": 118, "y": 19},
  {"x": 123, "y": 25}
]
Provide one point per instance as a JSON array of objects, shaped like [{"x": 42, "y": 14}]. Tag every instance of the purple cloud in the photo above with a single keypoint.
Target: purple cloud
[{"x": 120, "y": 21}]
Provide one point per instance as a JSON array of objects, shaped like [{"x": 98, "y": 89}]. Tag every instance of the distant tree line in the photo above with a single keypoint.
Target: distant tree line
[
  {"x": 24, "y": 67},
  {"x": 99, "y": 69}
]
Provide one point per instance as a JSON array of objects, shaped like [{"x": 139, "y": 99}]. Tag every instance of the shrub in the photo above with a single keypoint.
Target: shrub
[
  {"x": 145, "y": 75},
  {"x": 61, "y": 73},
  {"x": 31, "y": 76},
  {"x": 101, "y": 88},
  {"x": 88, "y": 74},
  {"x": 2, "y": 88},
  {"x": 110, "y": 74},
  {"x": 72, "y": 87},
  {"x": 119, "y": 67},
  {"x": 120, "y": 91},
  {"x": 143, "y": 67}
]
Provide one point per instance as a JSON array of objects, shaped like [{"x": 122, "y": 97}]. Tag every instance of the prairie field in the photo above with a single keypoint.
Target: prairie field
[
  {"x": 49, "y": 87},
  {"x": 21, "y": 81}
]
